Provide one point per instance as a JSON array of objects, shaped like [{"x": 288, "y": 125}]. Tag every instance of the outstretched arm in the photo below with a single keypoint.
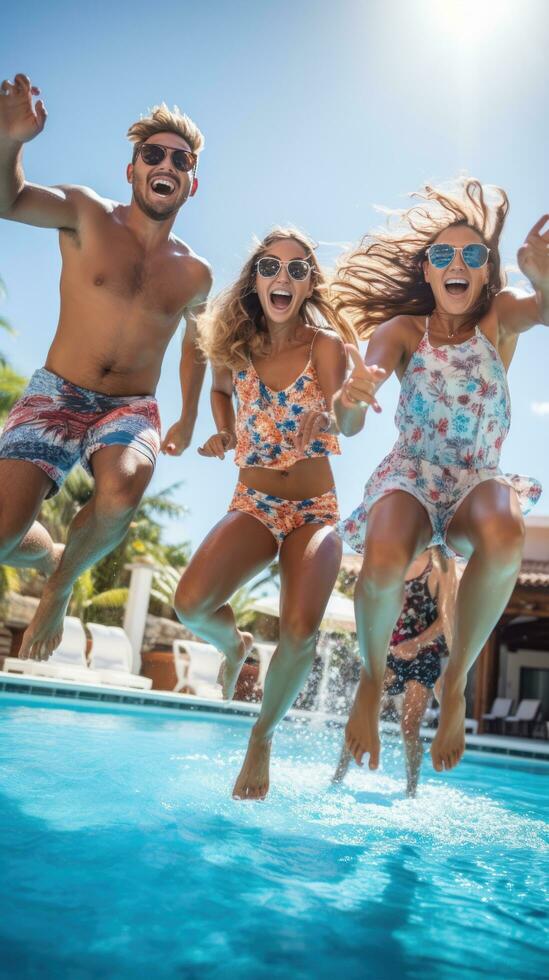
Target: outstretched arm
[
  {"x": 21, "y": 120},
  {"x": 386, "y": 350},
  {"x": 329, "y": 361},
  {"x": 518, "y": 311},
  {"x": 192, "y": 367},
  {"x": 223, "y": 412}
]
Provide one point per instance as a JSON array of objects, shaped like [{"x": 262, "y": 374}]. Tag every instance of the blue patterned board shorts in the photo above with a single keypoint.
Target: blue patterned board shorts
[
  {"x": 57, "y": 424},
  {"x": 281, "y": 516}
]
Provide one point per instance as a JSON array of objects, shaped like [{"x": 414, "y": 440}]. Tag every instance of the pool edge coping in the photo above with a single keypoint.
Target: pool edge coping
[{"x": 53, "y": 691}]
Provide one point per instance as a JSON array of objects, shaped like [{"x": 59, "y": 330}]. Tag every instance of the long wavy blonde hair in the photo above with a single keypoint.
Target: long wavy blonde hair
[
  {"x": 383, "y": 276},
  {"x": 233, "y": 326}
]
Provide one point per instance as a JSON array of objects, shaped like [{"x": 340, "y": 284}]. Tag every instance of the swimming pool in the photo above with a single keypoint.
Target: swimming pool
[{"x": 123, "y": 855}]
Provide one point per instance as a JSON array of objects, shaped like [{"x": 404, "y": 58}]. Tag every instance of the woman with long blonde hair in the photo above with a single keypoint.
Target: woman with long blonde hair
[
  {"x": 277, "y": 347},
  {"x": 429, "y": 294}
]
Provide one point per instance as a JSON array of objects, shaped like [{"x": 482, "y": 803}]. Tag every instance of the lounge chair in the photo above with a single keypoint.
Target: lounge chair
[
  {"x": 202, "y": 671},
  {"x": 111, "y": 657},
  {"x": 499, "y": 711},
  {"x": 527, "y": 715},
  {"x": 67, "y": 662}
]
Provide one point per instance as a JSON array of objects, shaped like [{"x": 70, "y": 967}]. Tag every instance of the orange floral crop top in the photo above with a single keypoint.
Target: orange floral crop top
[{"x": 267, "y": 421}]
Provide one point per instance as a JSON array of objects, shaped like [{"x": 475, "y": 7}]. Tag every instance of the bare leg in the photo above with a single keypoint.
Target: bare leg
[
  {"x": 398, "y": 529},
  {"x": 234, "y": 552},
  {"x": 343, "y": 765},
  {"x": 309, "y": 562},
  {"x": 121, "y": 477},
  {"x": 416, "y": 699},
  {"x": 488, "y": 526},
  {"x": 24, "y": 543}
]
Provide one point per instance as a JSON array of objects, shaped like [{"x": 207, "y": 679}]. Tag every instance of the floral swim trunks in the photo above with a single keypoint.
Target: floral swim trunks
[
  {"x": 56, "y": 424},
  {"x": 281, "y": 516}
]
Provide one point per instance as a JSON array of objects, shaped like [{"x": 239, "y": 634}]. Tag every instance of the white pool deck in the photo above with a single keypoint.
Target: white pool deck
[{"x": 48, "y": 691}]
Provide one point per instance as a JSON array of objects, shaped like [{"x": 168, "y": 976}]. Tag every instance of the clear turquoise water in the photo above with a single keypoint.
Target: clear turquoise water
[{"x": 123, "y": 855}]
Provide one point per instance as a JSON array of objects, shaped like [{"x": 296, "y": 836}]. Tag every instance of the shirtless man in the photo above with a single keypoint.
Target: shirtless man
[{"x": 126, "y": 281}]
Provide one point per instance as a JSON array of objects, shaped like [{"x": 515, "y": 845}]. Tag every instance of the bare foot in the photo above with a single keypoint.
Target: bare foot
[
  {"x": 45, "y": 631},
  {"x": 231, "y": 666},
  {"x": 342, "y": 766},
  {"x": 253, "y": 780},
  {"x": 448, "y": 744},
  {"x": 362, "y": 729}
]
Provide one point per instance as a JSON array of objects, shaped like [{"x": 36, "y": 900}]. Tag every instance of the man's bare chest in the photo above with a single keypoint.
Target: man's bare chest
[{"x": 108, "y": 268}]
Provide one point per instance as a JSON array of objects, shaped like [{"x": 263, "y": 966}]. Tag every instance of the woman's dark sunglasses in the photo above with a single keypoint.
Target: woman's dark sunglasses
[
  {"x": 269, "y": 267},
  {"x": 474, "y": 255},
  {"x": 154, "y": 153}
]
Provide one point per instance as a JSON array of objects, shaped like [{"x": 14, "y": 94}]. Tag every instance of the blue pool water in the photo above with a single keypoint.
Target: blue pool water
[{"x": 123, "y": 855}]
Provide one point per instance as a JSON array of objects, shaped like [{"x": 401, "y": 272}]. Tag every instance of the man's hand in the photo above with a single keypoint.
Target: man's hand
[
  {"x": 312, "y": 424},
  {"x": 177, "y": 438},
  {"x": 533, "y": 256},
  {"x": 218, "y": 444},
  {"x": 360, "y": 387},
  {"x": 20, "y": 120}
]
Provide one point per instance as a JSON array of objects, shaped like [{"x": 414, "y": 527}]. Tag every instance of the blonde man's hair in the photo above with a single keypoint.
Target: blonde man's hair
[
  {"x": 233, "y": 326},
  {"x": 382, "y": 277},
  {"x": 162, "y": 119}
]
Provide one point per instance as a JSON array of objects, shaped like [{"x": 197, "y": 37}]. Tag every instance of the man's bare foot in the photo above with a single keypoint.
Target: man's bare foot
[
  {"x": 45, "y": 631},
  {"x": 343, "y": 765},
  {"x": 253, "y": 780},
  {"x": 231, "y": 666},
  {"x": 362, "y": 729},
  {"x": 448, "y": 744}
]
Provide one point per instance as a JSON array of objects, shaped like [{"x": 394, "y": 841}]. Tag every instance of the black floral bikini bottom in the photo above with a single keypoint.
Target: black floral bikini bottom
[{"x": 425, "y": 668}]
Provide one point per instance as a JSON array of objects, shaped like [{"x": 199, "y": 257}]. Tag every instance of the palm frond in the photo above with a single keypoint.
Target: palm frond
[
  {"x": 111, "y": 599},
  {"x": 9, "y": 580}
]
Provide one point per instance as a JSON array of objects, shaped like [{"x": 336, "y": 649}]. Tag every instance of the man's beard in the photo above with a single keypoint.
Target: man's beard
[{"x": 151, "y": 213}]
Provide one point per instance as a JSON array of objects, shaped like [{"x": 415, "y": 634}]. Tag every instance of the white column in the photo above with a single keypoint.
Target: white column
[{"x": 137, "y": 607}]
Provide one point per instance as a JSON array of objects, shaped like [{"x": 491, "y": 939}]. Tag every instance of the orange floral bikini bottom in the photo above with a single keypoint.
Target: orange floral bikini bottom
[{"x": 282, "y": 516}]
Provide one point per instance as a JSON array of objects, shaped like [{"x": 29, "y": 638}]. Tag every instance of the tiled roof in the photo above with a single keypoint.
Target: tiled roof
[{"x": 534, "y": 574}]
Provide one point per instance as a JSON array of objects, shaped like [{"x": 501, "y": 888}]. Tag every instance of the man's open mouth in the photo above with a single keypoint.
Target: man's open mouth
[
  {"x": 281, "y": 299},
  {"x": 456, "y": 287},
  {"x": 163, "y": 186}
]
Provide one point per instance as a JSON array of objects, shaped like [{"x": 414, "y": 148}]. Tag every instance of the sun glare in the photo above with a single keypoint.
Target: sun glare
[{"x": 474, "y": 21}]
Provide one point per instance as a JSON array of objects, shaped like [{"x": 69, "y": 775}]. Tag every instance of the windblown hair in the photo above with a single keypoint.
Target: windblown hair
[
  {"x": 383, "y": 276},
  {"x": 233, "y": 326},
  {"x": 162, "y": 119}
]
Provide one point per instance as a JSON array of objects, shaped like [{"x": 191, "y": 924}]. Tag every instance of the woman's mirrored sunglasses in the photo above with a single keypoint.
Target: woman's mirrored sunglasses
[
  {"x": 474, "y": 255},
  {"x": 268, "y": 267}
]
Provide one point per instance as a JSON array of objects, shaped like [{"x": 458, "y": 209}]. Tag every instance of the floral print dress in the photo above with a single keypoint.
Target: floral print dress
[{"x": 453, "y": 415}]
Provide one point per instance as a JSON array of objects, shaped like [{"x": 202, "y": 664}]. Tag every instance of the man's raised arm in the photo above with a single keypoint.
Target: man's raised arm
[{"x": 21, "y": 120}]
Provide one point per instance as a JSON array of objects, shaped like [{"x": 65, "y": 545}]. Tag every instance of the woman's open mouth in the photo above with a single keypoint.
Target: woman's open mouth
[
  {"x": 456, "y": 287},
  {"x": 281, "y": 299}
]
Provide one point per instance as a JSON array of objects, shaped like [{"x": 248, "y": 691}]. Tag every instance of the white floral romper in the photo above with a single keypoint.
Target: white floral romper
[{"x": 453, "y": 415}]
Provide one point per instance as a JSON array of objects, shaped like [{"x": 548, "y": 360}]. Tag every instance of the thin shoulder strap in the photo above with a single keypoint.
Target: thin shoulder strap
[{"x": 317, "y": 331}]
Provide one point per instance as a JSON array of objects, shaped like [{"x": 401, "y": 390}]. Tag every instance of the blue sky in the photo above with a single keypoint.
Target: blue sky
[{"x": 313, "y": 112}]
